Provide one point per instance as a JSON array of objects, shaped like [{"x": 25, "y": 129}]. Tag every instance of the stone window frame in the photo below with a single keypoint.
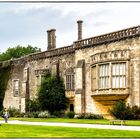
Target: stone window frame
[
  {"x": 97, "y": 67},
  {"x": 16, "y": 91},
  {"x": 70, "y": 79},
  {"x": 93, "y": 78}
]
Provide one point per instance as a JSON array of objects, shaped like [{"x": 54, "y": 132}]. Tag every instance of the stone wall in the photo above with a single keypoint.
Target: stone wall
[{"x": 81, "y": 56}]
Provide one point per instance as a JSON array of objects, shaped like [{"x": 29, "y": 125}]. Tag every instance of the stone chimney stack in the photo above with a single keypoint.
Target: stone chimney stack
[
  {"x": 51, "y": 39},
  {"x": 79, "y": 29}
]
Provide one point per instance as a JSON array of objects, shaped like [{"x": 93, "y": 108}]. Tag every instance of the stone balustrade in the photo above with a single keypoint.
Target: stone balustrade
[
  {"x": 106, "y": 38},
  {"x": 89, "y": 42},
  {"x": 51, "y": 53}
]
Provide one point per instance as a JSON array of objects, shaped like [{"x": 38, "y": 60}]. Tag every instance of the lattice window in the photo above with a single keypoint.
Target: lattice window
[
  {"x": 70, "y": 84},
  {"x": 16, "y": 87},
  {"x": 119, "y": 75},
  {"x": 104, "y": 76}
]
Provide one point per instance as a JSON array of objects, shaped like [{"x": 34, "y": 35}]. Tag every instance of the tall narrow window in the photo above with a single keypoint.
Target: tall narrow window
[
  {"x": 104, "y": 76},
  {"x": 70, "y": 79},
  {"x": 16, "y": 87},
  {"x": 119, "y": 75},
  {"x": 94, "y": 78}
]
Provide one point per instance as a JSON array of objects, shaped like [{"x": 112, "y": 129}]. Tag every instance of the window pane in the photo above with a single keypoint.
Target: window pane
[
  {"x": 121, "y": 82},
  {"x": 121, "y": 69},
  {"x": 100, "y": 70},
  {"x": 124, "y": 81},
  {"x": 113, "y": 82},
  {"x": 113, "y": 69},
  {"x": 124, "y": 69},
  {"x": 117, "y": 69},
  {"x": 16, "y": 87},
  {"x": 117, "y": 82},
  {"x": 69, "y": 79}
]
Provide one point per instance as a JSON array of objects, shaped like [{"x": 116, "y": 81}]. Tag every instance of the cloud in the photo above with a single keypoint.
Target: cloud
[{"x": 27, "y": 23}]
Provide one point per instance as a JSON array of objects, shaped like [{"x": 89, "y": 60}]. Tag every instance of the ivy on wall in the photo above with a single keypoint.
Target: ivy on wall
[{"x": 4, "y": 77}]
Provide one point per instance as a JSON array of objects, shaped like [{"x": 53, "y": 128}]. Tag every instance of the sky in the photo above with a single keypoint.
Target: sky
[{"x": 27, "y": 23}]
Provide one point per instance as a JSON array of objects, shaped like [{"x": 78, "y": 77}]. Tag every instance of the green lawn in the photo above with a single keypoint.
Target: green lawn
[
  {"x": 27, "y": 131},
  {"x": 103, "y": 121}
]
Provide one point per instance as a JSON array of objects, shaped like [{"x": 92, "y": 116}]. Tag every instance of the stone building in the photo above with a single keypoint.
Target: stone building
[{"x": 97, "y": 71}]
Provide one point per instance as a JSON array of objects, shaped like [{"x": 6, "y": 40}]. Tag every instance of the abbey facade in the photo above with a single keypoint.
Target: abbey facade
[{"x": 97, "y": 71}]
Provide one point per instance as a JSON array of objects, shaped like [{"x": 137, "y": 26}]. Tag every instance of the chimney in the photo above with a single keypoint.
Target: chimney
[
  {"x": 51, "y": 39},
  {"x": 79, "y": 29}
]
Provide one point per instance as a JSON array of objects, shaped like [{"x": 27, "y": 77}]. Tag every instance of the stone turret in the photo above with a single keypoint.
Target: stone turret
[
  {"x": 51, "y": 39},
  {"x": 79, "y": 29}
]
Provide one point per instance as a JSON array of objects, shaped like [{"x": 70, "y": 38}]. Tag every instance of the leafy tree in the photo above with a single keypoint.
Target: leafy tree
[
  {"x": 52, "y": 94},
  {"x": 17, "y": 52}
]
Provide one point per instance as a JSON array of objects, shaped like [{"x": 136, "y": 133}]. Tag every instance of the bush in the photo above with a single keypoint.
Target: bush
[
  {"x": 13, "y": 112},
  {"x": 136, "y": 112},
  {"x": 89, "y": 116},
  {"x": 71, "y": 114},
  {"x": 58, "y": 114},
  {"x": 33, "y": 105},
  {"x": 43, "y": 114},
  {"x": 121, "y": 111}
]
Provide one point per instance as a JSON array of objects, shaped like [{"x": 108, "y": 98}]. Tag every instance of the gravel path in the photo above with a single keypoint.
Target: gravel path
[{"x": 115, "y": 127}]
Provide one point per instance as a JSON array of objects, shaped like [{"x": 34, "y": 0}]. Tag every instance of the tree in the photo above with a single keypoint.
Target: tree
[
  {"x": 17, "y": 52},
  {"x": 52, "y": 94}
]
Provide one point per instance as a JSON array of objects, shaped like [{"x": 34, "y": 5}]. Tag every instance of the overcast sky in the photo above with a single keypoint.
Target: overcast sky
[{"x": 27, "y": 23}]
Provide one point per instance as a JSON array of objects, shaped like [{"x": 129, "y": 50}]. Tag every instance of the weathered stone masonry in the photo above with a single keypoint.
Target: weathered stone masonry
[{"x": 97, "y": 71}]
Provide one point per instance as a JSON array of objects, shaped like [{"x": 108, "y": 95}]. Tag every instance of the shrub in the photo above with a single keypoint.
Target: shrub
[
  {"x": 136, "y": 112},
  {"x": 121, "y": 111},
  {"x": 58, "y": 114},
  {"x": 81, "y": 116},
  {"x": 43, "y": 114},
  {"x": 13, "y": 112},
  {"x": 89, "y": 116},
  {"x": 33, "y": 105},
  {"x": 71, "y": 114}
]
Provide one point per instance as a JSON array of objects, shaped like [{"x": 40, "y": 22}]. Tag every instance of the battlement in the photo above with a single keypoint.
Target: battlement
[{"x": 110, "y": 37}]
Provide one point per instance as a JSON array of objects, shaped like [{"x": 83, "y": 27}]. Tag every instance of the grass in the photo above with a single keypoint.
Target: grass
[
  {"x": 88, "y": 121},
  {"x": 24, "y": 131}
]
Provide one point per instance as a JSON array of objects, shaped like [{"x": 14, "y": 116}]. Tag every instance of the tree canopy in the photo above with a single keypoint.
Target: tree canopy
[
  {"x": 52, "y": 94},
  {"x": 17, "y": 52}
]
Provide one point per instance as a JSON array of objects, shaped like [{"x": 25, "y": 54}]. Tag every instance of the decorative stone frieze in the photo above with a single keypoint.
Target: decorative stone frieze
[{"x": 110, "y": 56}]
